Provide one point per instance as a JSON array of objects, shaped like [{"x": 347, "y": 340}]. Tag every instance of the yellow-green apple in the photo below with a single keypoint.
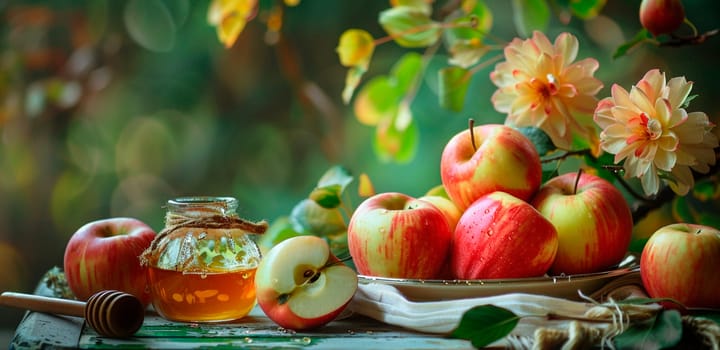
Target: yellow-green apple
[
  {"x": 680, "y": 261},
  {"x": 395, "y": 235},
  {"x": 502, "y": 236},
  {"x": 492, "y": 158},
  {"x": 593, "y": 222},
  {"x": 301, "y": 285},
  {"x": 439, "y": 197},
  {"x": 104, "y": 254}
]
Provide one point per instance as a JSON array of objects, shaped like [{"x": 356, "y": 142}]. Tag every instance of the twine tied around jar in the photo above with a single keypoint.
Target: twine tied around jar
[{"x": 174, "y": 222}]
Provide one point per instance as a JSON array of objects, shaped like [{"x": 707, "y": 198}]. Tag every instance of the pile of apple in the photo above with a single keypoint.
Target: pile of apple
[{"x": 497, "y": 221}]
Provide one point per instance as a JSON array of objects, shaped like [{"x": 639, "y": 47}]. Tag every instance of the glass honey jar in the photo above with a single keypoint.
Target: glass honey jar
[{"x": 201, "y": 266}]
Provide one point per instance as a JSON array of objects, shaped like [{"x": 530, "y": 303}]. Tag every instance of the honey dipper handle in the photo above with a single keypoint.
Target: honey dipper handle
[{"x": 43, "y": 304}]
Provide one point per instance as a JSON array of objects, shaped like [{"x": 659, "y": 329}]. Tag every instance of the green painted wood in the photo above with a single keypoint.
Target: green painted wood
[{"x": 256, "y": 331}]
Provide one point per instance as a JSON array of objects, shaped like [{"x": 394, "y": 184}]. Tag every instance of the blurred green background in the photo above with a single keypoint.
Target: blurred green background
[{"x": 108, "y": 109}]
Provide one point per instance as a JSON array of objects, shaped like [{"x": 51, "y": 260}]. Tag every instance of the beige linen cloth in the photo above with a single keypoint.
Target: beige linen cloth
[{"x": 553, "y": 322}]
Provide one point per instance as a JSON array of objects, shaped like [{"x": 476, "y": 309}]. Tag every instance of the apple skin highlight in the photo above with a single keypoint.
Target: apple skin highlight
[
  {"x": 394, "y": 235},
  {"x": 502, "y": 236},
  {"x": 103, "y": 255},
  {"x": 594, "y": 222},
  {"x": 503, "y": 159}
]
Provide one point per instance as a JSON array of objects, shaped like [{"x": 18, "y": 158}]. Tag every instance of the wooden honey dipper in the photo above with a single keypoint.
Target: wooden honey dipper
[{"x": 111, "y": 313}]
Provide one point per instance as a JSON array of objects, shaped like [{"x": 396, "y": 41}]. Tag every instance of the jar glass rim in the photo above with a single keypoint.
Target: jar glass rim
[{"x": 200, "y": 201}]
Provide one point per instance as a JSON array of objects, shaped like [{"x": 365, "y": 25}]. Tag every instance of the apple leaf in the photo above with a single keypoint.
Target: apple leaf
[
  {"x": 327, "y": 197},
  {"x": 355, "y": 48},
  {"x": 393, "y": 144},
  {"x": 280, "y": 230},
  {"x": 465, "y": 42},
  {"x": 336, "y": 175},
  {"x": 330, "y": 187},
  {"x": 662, "y": 331},
  {"x": 377, "y": 100},
  {"x": 365, "y": 188},
  {"x": 583, "y": 9},
  {"x": 453, "y": 85},
  {"x": 405, "y": 71},
  {"x": 409, "y": 26},
  {"x": 352, "y": 80},
  {"x": 543, "y": 143},
  {"x": 642, "y": 36},
  {"x": 421, "y": 5},
  {"x": 308, "y": 217},
  {"x": 599, "y": 164},
  {"x": 485, "y": 324},
  {"x": 530, "y": 15},
  {"x": 586, "y": 9}
]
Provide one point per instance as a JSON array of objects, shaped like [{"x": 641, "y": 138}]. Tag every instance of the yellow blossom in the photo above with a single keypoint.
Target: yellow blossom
[
  {"x": 540, "y": 86},
  {"x": 650, "y": 130}
]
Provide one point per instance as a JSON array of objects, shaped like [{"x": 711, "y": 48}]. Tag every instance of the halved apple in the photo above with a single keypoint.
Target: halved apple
[{"x": 301, "y": 285}]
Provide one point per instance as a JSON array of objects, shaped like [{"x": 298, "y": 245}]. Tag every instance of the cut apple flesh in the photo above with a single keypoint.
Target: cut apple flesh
[
  {"x": 333, "y": 287},
  {"x": 289, "y": 266}
]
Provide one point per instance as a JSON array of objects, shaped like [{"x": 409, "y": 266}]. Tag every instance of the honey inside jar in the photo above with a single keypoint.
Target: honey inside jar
[
  {"x": 202, "y": 297},
  {"x": 201, "y": 268}
]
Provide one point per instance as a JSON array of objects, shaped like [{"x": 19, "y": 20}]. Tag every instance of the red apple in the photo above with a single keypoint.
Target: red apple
[
  {"x": 394, "y": 235},
  {"x": 103, "y": 255},
  {"x": 680, "y": 261},
  {"x": 301, "y": 285},
  {"x": 439, "y": 197},
  {"x": 502, "y": 236},
  {"x": 661, "y": 16},
  {"x": 500, "y": 159},
  {"x": 593, "y": 222}
]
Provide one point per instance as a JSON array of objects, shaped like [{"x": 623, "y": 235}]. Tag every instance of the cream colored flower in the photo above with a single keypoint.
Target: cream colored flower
[
  {"x": 650, "y": 130},
  {"x": 539, "y": 85}
]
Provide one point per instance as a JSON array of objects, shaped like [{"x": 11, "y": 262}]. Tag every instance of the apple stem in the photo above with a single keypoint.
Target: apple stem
[
  {"x": 577, "y": 180},
  {"x": 471, "y": 126}
]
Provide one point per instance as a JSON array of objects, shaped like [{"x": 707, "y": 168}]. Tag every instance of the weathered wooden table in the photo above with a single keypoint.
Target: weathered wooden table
[{"x": 47, "y": 331}]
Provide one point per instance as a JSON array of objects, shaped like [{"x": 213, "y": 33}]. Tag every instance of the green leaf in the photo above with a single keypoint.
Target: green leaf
[
  {"x": 600, "y": 163},
  {"x": 640, "y": 37},
  {"x": 352, "y": 80},
  {"x": 452, "y": 87},
  {"x": 586, "y": 9},
  {"x": 336, "y": 175},
  {"x": 405, "y": 72},
  {"x": 327, "y": 197},
  {"x": 539, "y": 138},
  {"x": 355, "y": 48},
  {"x": 279, "y": 230},
  {"x": 409, "y": 26},
  {"x": 330, "y": 187},
  {"x": 377, "y": 100},
  {"x": 150, "y": 23},
  {"x": 465, "y": 43},
  {"x": 485, "y": 324},
  {"x": 530, "y": 15},
  {"x": 687, "y": 101},
  {"x": 663, "y": 331},
  {"x": 308, "y": 217},
  {"x": 393, "y": 145},
  {"x": 421, "y": 5}
]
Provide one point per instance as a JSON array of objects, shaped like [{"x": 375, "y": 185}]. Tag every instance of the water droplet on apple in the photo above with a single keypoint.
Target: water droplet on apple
[{"x": 203, "y": 275}]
